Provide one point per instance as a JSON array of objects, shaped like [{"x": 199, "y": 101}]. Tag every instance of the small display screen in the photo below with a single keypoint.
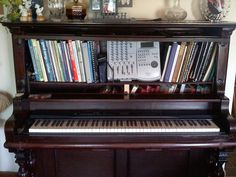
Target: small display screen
[{"x": 147, "y": 44}]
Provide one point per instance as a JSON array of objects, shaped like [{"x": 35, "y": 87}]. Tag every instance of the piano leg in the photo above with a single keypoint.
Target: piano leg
[
  {"x": 217, "y": 163},
  {"x": 26, "y": 161}
]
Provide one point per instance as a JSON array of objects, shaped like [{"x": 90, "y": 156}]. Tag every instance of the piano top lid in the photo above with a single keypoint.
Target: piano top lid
[{"x": 131, "y": 22}]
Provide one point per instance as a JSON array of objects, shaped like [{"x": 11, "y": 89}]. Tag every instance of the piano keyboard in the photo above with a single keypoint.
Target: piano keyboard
[{"x": 123, "y": 126}]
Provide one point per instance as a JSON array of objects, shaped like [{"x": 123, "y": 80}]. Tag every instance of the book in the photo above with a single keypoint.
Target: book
[
  {"x": 55, "y": 61},
  {"x": 207, "y": 61},
  {"x": 178, "y": 61},
  {"x": 166, "y": 62},
  {"x": 197, "y": 78},
  {"x": 170, "y": 62},
  {"x": 36, "y": 64},
  {"x": 75, "y": 55},
  {"x": 90, "y": 61},
  {"x": 94, "y": 46},
  {"x": 62, "y": 62},
  {"x": 67, "y": 60},
  {"x": 58, "y": 56},
  {"x": 40, "y": 58},
  {"x": 47, "y": 61},
  {"x": 72, "y": 59},
  {"x": 51, "y": 55},
  {"x": 174, "y": 62},
  {"x": 211, "y": 64},
  {"x": 81, "y": 61},
  {"x": 86, "y": 62}
]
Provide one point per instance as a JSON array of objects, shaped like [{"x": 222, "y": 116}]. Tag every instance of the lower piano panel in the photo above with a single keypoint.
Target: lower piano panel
[{"x": 123, "y": 163}]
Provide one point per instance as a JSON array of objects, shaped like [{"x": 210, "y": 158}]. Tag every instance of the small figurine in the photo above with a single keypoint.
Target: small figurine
[
  {"x": 24, "y": 14},
  {"x": 25, "y": 11},
  {"x": 28, "y": 4},
  {"x": 39, "y": 11}
]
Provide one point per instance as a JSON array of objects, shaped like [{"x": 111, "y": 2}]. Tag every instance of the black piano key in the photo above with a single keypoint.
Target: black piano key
[
  {"x": 180, "y": 123},
  {"x": 159, "y": 123},
  {"x": 127, "y": 123},
  {"x": 135, "y": 123},
  {"x": 78, "y": 122},
  {"x": 183, "y": 122},
  {"x": 58, "y": 123},
  {"x": 170, "y": 123},
  {"x": 194, "y": 123},
  {"x": 86, "y": 123},
  {"x": 141, "y": 123},
  {"x": 68, "y": 123},
  {"x": 72, "y": 123},
  {"x": 36, "y": 123},
  {"x": 176, "y": 122},
  {"x": 152, "y": 123},
  {"x": 93, "y": 123},
  {"x": 207, "y": 122},
  {"x": 200, "y": 122},
  {"x": 43, "y": 122},
  {"x": 61, "y": 123},
  {"x": 190, "y": 122},
  {"x": 111, "y": 123},
  {"x": 47, "y": 123},
  {"x": 54, "y": 123}
]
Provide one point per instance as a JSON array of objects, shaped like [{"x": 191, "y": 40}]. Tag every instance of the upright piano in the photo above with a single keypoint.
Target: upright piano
[{"x": 120, "y": 127}]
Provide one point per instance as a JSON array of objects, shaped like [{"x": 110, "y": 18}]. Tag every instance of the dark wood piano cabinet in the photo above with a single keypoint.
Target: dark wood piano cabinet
[{"x": 188, "y": 154}]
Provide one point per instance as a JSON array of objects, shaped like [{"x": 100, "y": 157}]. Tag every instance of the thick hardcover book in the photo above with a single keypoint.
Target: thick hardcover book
[
  {"x": 36, "y": 66},
  {"x": 47, "y": 61},
  {"x": 93, "y": 46}
]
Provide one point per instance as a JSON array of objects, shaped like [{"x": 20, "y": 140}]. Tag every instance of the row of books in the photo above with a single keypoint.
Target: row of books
[
  {"x": 63, "y": 61},
  {"x": 189, "y": 62}
]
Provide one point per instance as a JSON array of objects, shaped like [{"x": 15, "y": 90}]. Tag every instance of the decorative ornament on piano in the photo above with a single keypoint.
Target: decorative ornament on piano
[
  {"x": 176, "y": 12},
  {"x": 214, "y": 10}
]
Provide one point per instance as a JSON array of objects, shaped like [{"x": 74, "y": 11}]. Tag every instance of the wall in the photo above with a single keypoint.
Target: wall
[{"x": 141, "y": 9}]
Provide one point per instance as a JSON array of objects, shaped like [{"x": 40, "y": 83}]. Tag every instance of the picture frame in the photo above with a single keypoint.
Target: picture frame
[
  {"x": 95, "y": 5},
  {"x": 125, "y": 3},
  {"x": 1, "y": 10},
  {"x": 109, "y": 7}
]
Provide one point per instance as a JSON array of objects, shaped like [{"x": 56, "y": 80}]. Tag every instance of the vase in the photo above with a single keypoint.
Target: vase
[
  {"x": 175, "y": 13},
  {"x": 56, "y": 10},
  {"x": 214, "y": 10}
]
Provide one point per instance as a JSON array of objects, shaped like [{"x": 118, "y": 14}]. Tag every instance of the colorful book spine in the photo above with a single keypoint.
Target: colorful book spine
[
  {"x": 81, "y": 61},
  {"x": 48, "y": 64},
  {"x": 73, "y": 65},
  {"x": 74, "y": 50},
  {"x": 36, "y": 65},
  {"x": 40, "y": 57}
]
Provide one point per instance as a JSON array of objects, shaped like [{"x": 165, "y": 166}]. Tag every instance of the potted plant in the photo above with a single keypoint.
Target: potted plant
[{"x": 12, "y": 7}]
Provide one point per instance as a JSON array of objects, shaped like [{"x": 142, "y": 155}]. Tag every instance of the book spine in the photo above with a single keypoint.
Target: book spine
[
  {"x": 40, "y": 56},
  {"x": 33, "y": 58},
  {"x": 90, "y": 61},
  {"x": 68, "y": 63},
  {"x": 81, "y": 60},
  {"x": 86, "y": 62},
  {"x": 63, "y": 60},
  {"x": 47, "y": 62},
  {"x": 54, "y": 61},
  {"x": 76, "y": 61},
  {"x": 73, "y": 66},
  {"x": 170, "y": 62},
  {"x": 62, "y": 63},
  {"x": 59, "y": 61}
]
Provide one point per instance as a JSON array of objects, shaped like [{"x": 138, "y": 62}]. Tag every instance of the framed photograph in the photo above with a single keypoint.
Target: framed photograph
[
  {"x": 125, "y": 3},
  {"x": 1, "y": 10},
  {"x": 95, "y": 5},
  {"x": 109, "y": 6}
]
